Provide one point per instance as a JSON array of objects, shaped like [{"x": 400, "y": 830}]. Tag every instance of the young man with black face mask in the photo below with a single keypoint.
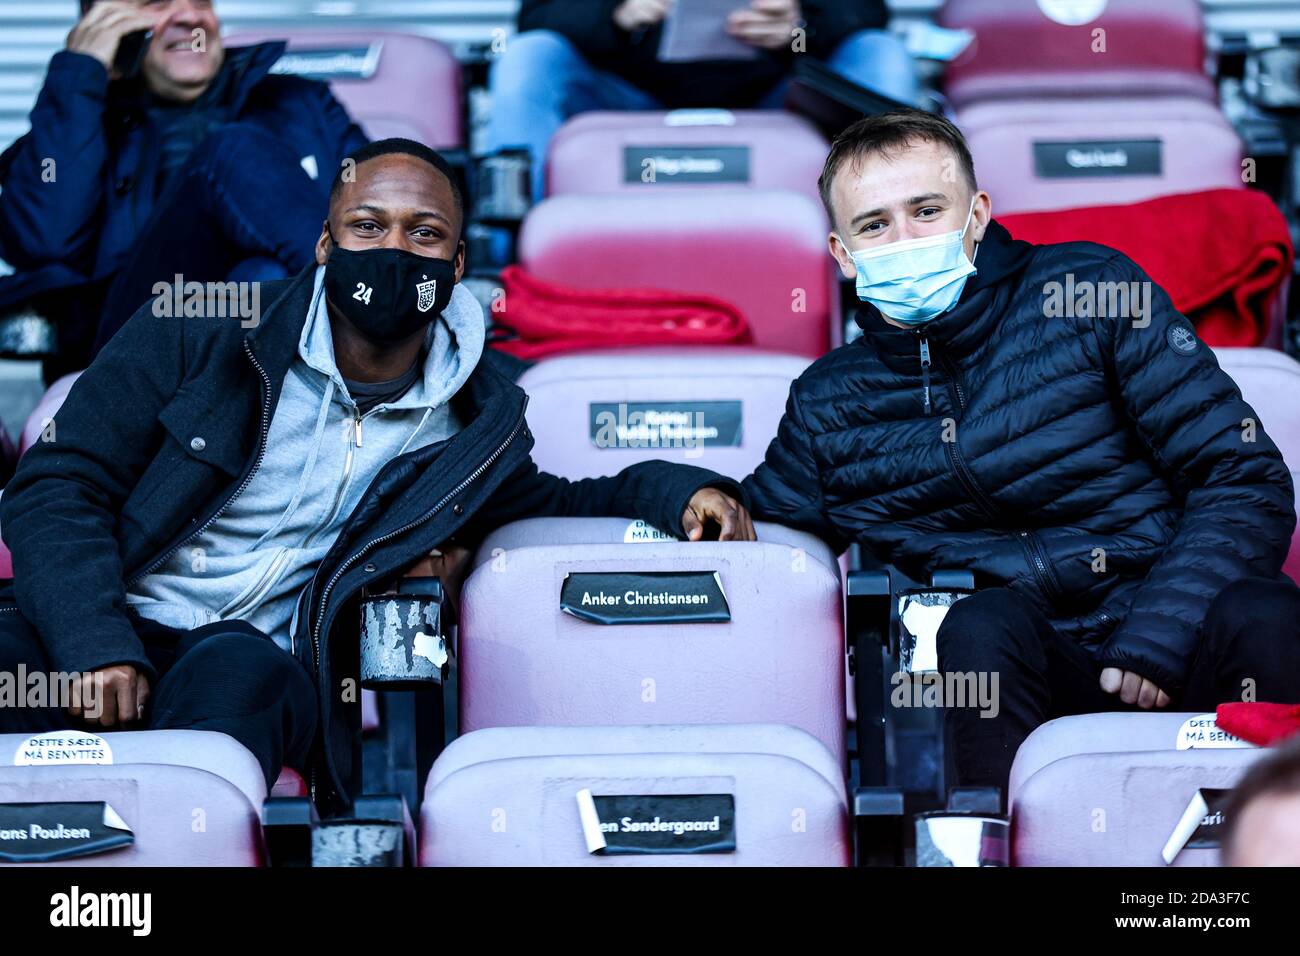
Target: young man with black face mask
[{"x": 215, "y": 491}]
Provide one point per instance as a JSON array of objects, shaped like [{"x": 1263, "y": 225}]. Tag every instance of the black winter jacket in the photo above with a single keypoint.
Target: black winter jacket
[
  {"x": 124, "y": 484},
  {"x": 1101, "y": 466}
]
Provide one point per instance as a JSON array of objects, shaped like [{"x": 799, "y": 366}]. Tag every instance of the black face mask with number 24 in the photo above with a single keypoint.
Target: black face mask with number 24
[{"x": 388, "y": 294}]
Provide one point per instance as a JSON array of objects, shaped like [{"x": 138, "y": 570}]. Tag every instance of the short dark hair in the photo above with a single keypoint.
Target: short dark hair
[
  {"x": 886, "y": 133},
  {"x": 397, "y": 146},
  {"x": 1274, "y": 775}
]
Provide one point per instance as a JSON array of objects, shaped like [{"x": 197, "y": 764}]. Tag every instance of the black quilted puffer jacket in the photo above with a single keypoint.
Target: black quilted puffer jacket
[{"x": 1100, "y": 466}]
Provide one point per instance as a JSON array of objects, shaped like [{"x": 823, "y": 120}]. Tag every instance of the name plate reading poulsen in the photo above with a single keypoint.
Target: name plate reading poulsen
[
  {"x": 686, "y": 823},
  {"x": 645, "y": 597},
  {"x": 42, "y": 832}
]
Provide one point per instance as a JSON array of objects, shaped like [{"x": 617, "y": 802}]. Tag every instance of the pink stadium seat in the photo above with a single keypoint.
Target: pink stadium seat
[
  {"x": 525, "y": 662},
  {"x": 573, "y": 399},
  {"x": 509, "y": 797},
  {"x": 392, "y": 84},
  {"x": 692, "y": 149},
  {"x": 155, "y": 782},
  {"x": 1033, "y": 154},
  {"x": 1109, "y": 789},
  {"x": 1270, "y": 381},
  {"x": 1019, "y": 51},
  {"x": 762, "y": 250}
]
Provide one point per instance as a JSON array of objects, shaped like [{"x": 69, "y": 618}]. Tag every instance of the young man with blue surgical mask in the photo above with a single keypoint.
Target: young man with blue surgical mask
[{"x": 1086, "y": 460}]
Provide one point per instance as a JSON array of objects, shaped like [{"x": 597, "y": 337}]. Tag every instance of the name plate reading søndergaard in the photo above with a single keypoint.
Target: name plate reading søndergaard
[
  {"x": 685, "y": 823},
  {"x": 645, "y": 597}
]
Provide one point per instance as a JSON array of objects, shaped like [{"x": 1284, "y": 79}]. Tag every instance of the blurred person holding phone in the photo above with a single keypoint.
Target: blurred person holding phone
[
  {"x": 573, "y": 56},
  {"x": 155, "y": 150}
]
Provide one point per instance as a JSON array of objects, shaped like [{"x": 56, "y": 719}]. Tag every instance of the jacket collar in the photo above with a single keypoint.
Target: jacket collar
[
  {"x": 244, "y": 67},
  {"x": 959, "y": 331},
  {"x": 274, "y": 343}
]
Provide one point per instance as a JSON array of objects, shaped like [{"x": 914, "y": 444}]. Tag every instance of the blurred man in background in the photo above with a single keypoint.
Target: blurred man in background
[
  {"x": 1263, "y": 816},
  {"x": 573, "y": 56},
  {"x": 110, "y": 193}
]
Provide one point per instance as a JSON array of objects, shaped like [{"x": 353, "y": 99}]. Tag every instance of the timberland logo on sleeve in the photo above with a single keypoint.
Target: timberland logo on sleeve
[{"x": 1182, "y": 339}]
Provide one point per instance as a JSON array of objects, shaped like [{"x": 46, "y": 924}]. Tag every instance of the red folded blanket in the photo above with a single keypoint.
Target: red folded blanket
[
  {"x": 543, "y": 318},
  {"x": 1262, "y": 724},
  {"x": 1222, "y": 254}
]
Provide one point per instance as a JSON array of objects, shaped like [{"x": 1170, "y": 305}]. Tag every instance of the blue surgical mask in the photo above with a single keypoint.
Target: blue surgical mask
[{"x": 915, "y": 280}]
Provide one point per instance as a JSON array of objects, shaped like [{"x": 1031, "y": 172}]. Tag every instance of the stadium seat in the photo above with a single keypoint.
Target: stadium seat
[
  {"x": 189, "y": 797},
  {"x": 1020, "y": 51},
  {"x": 604, "y": 152},
  {"x": 510, "y": 797},
  {"x": 1270, "y": 381},
  {"x": 1033, "y": 154},
  {"x": 764, "y": 251},
  {"x": 526, "y": 661},
  {"x": 392, "y": 84},
  {"x": 573, "y": 399},
  {"x": 1109, "y": 790}
]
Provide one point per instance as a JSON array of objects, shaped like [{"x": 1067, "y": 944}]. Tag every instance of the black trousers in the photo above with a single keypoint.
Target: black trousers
[
  {"x": 227, "y": 677},
  {"x": 1251, "y": 633}
]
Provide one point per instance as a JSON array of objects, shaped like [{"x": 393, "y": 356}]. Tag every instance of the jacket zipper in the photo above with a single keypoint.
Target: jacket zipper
[
  {"x": 261, "y": 453},
  {"x": 925, "y": 373},
  {"x": 342, "y": 568}
]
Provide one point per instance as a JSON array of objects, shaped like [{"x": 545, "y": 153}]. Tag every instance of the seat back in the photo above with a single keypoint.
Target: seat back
[
  {"x": 1110, "y": 789},
  {"x": 563, "y": 623},
  {"x": 1270, "y": 381},
  {"x": 604, "y": 152},
  {"x": 1036, "y": 48},
  {"x": 188, "y": 797},
  {"x": 596, "y": 413},
  {"x": 769, "y": 795},
  {"x": 762, "y": 250},
  {"x": 392, "y": 84},
  {"x": 1050, "y": 154}
]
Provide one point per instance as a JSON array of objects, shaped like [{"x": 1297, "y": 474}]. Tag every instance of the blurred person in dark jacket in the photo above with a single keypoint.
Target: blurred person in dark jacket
[
  {"x": 203, "y": 163},
  {"x": 573, "y": 56}
]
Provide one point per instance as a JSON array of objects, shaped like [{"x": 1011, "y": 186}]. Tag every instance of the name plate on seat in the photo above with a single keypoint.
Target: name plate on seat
[
  {"x": 666, "y": 424},
  {"x": 43, "y": 832},
  {"x": 645, "y": 597},
  {"x": 1076, "y": 159},
  {"x": 658, "y": 823},
  {"x": 685, "y": 164}
]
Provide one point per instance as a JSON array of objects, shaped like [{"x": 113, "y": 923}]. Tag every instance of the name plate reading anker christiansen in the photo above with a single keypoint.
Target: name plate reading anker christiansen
[
  {"x": 645, "y": 597},
  {"x": 658, "y": 823}
]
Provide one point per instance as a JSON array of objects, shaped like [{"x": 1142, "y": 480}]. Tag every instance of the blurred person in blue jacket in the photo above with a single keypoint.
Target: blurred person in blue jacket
[
  {"x": 201, "y": 163},
  {"x": 573, "y": 56}
]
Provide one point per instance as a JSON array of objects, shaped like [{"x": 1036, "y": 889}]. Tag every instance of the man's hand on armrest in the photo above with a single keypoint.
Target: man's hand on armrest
[
  {"x": 109, "y": 696},
  {"x": 711, "y": 505},
  {"x": 1133, "y": 688}
]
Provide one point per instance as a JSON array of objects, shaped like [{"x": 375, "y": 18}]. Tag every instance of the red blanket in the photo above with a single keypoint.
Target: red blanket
[
  {"x": 1262, "y": 724},
  {"x": 544, "y": 318},
  {"x": 1222, "y": 255}
]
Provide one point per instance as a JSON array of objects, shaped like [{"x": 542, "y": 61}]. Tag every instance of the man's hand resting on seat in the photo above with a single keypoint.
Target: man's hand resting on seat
[
  {"x": 711, "y": 505},
  {"x": 1133, "y": 688},
  {"x": 109, "y": 696}
]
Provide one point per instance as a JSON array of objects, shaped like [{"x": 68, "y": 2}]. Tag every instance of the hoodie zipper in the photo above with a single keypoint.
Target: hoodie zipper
[
  {"x": 261, "y": 453},
  {"x": 342, "y": 568}
]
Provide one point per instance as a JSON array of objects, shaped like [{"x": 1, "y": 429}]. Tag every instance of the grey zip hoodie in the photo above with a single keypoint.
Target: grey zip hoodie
[{"x": 253, "y": 561}]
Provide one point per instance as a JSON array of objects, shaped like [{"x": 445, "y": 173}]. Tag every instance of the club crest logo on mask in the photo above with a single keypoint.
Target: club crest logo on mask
[{"x": 428, "y": 294}]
